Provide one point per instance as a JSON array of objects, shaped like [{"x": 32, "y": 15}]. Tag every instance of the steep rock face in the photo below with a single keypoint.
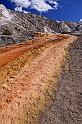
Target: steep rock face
[
  {"x": 5, "y": 15},
  {"x": 16, "y": 27}
]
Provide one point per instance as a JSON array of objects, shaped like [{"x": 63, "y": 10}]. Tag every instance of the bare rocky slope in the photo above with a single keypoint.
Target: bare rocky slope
[
  {"x": 37, "y": 84},
  {"x": 16, "y": 27},
  {"x": 67, "y": 101}
]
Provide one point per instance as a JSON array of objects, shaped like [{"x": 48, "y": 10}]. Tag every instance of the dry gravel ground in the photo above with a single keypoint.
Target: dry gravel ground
[{"x": 67, "y": 103}]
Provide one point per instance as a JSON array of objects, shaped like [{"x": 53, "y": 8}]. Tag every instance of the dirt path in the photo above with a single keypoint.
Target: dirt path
[
  {"x": 23, "y": 97},
  {"x": 67, "y": 102}
]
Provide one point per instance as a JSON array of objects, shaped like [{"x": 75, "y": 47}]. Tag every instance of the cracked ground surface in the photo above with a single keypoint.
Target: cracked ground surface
[{"x": 67, "y": 104}]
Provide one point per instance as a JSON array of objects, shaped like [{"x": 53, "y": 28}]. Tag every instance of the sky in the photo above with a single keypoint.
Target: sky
[{"x": 66, "y": 10}]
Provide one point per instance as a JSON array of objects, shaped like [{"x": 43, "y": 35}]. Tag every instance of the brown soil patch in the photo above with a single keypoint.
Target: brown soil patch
[
  {"x": 66, "y": 107},
  {"x": 23, "y": 97}
]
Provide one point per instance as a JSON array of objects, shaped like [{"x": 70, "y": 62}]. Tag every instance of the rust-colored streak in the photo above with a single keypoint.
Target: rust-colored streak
[{"x": 22, "y": 97}]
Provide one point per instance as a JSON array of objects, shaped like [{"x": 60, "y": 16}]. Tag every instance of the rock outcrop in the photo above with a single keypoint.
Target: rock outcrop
[{"x": 17, "y": 27}]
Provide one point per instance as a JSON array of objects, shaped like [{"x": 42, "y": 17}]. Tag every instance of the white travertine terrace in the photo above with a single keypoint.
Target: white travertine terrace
[{"x": 5, "y": 15}]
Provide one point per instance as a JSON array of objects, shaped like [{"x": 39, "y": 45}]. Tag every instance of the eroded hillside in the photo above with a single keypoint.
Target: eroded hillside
[{"x": 18, "y": 27}]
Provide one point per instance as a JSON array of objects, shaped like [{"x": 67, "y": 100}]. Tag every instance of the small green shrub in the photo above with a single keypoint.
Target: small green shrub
[
  {"x": 0, "y": 14},
  {"x": 6, "y": 32}
]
